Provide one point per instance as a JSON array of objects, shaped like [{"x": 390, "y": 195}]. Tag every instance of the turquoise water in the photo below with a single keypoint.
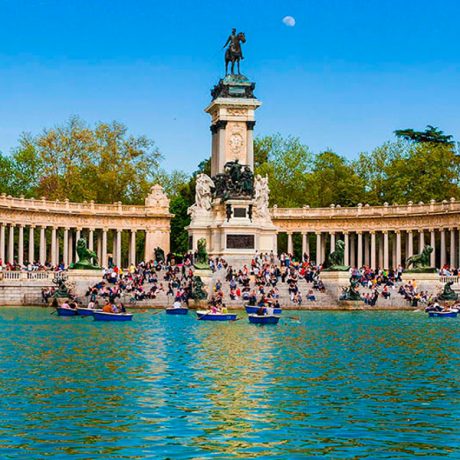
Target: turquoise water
[{"x": 333, "y": 385}]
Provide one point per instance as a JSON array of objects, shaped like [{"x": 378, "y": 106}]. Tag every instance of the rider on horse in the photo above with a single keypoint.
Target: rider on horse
[{"x": 233, "y": 41}]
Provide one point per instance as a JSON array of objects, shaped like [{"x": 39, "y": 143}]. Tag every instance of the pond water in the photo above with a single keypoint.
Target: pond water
[{"x": 331, "y": 384}]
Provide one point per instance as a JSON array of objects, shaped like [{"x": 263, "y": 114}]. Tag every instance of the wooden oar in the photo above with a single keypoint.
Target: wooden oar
[
  {"x": 206, "y": 314},
  {"x": 53, "y": 312},
  {"x": 295, "y": 318}
]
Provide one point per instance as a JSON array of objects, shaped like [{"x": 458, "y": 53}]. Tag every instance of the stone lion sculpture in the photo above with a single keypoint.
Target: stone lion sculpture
[
  {"x": 202, "y": 254},
  {"x": 84, "y": 257},
  {"x": 420, "y": 261},
  {"x": 159, "y": 254},
  {"x": 334, "y": 261}
]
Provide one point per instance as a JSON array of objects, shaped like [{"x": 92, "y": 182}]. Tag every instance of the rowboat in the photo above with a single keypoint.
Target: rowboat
[
  {"x": 206, "y": 315},
  {"x": 85, "y": 311},
  {"x": 105, "y": 316},
  {"x": 252, "y": 309},
  {"x": 66, "y": 311},
  {"x": 442, "y": 314},
  {"x": 263, "y": 319},
  {"x": 177, "y": 311}
]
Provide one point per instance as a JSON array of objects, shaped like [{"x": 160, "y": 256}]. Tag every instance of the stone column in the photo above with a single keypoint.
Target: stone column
[
  {"x": 42, "y": 249},
  {"x": 323, "y": 248},
  {"x": 66, "y": 247},
  {"x": 31, "y": 254},
  {"x": 114, "y": 247},
  {"x": 58, "y": 243},
  {"x": 119, "y": 261},
  {"x": 398, "y": 248},
  {"x": 104, "y": 248},
  {"x": 21, "y": 245},
  {"x": 379, "y": 238},
  {"x": 386, "y": 251},
  {"x": 443, "y": 248},
  {"x": 453, "y": 258},
  {"x": 305, "y": 245},
  {"x": 359, "y": 262},
  {"x": 53, "y": 246},
  {"x": 421, "y": 240},
  {"x": 332, "y": 245},
  {"x": 99, "y": 248},
  {"x": 70, "y": 256},
  {"x": 373, "y": 252},
  {"x": 91, "y": 239},
  {"x": 318, "y": 248},
  {"x": 410, "y": 244},
  {"x": 433, "y": 245},
  {"x": 290, "y": 249},
  {"x": 77, "y": 237},
  {"x": 393, "y": 262},
  {"x": 366, "y": 249},
  {"x": 11, "y": 244},
  {"x": 346, "y": 258},
  {"x": 353, "y": 250},
  {"x": 132, "y": 248},
  {"x": 2, "y": 243}
]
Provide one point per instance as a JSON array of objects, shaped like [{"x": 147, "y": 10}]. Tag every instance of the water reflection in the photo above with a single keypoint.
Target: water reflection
[{"x": 341, "y": 385}]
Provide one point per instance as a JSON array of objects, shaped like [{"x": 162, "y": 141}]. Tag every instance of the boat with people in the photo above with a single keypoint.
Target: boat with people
[
  {"x": 210, "y": 315},
  {"x": 85, "y": 311},
  {"x": 253, "y": 309},
  {"x": 177, "y": 309},
  {"x": 66, "y": 311},
  {"x": 100, "y": 315},
  {"x": 443, "y": 314},
  {"x": 263, "y": 319}
]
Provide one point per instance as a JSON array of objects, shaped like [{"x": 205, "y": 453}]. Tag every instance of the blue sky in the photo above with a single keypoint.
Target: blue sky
[{"x": 345, "y": 77}]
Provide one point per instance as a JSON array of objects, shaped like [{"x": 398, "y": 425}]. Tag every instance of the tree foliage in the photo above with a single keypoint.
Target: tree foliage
[{"x": 430, "y": 135}]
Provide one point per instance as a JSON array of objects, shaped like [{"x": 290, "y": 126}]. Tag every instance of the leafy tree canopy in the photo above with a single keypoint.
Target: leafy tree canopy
[{"x": 431, "y": 134}]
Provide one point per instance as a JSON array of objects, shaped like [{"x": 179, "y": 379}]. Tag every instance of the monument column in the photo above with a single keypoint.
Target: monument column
[
  {"x": 305, "y": 245},
  {"x": 410, "y": 244},
  {"x": 11, "y": 244},
  {"x": 2, "y": 243},
  {"x": 21, "y": 245},
  {"x": 66, "y": 246},
  {"x": 433, "y": 245},
  {"x": 99, "y": 247},
  {"x": 290, "y": 248},
  {"x": 91, "y": 239},
  {"x": 346, "y": 258},
  {"x": 119, "y": 261},
  {"x": 398, "y": 248},
  {"x": 53, "y": 246},
  {"x": 250, "y": 143},
  {"x": 104, "y": 248},
  {"x": 453, "y": 258},
  {"x": 443, "y": 248},
  {"x": 386, "y": 251},
  {"x": 360, "y": 249},
  {"x": 373, "y": 252},
  {"x": 132, "y": 248},
  {"x": 318, "y": 248},
  {"x": 332, "y": 245},
  {"x": 421, "y": 241},
  {"x": 42, "y": 245},
  {"x": 70, "y": 255},
  {"x": 31, "y": 254},
  {"x": 366, "y": 249},
  {"x": 77, "y": 238}
]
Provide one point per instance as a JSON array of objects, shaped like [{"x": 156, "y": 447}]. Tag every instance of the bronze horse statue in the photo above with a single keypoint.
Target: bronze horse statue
[{"x": 234, "y": 54}]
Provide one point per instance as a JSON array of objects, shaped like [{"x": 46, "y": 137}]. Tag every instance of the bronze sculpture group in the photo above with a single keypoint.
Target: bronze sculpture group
[{"x": 234, "y": 53}]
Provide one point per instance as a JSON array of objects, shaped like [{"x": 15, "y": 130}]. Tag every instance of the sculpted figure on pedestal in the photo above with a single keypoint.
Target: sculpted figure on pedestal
[
  {"x": 203, "y": 194},
  {"x": 421, "y": 262},
  {"x": 261, "y": 193}
]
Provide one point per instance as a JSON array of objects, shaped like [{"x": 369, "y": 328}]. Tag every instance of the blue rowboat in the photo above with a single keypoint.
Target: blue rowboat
[
  {"x": 85, "y": 311},
  {"x": 443, "y": 314},
  {"x": 177, "y": 311},
  {"x": 252, "y": 309},
  {"x": 104, "y": 316},
  {"x": 263, "y": 319},
  {"x": 208, "y": 316},
  {"x": 66, "y": 311}
]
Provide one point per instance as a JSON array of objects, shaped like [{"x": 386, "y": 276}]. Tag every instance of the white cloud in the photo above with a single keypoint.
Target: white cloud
[{"x": 289, "y": 21}]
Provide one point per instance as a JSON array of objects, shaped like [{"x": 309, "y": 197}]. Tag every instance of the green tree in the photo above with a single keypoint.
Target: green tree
[
  {"x": 287, "y": 162},
  {"x": 334, "y": 180},
  {"x": 430, "y": 135}
]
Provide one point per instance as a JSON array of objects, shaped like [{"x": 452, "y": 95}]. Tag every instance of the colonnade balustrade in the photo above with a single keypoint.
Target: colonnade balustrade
[
  {"x": 381, "y": 249},
  {"x": 57, "y": 245}
]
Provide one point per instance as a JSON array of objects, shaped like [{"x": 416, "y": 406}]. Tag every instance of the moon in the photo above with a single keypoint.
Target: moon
[{"x": 289, "y": 21}]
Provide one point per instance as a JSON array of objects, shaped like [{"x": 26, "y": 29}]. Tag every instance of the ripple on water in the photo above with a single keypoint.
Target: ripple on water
[{"x": 339, "y": 385}]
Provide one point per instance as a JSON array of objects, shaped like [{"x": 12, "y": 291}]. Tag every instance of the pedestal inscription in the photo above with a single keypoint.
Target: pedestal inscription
[{"x": 240, "y": 242}]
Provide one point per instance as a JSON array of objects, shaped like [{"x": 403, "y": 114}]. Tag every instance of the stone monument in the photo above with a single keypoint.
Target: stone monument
[{"x": 231, "y": 207}]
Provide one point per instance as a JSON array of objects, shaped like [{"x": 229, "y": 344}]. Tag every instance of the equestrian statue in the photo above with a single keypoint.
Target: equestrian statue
[{"x": 234, "y": 53}]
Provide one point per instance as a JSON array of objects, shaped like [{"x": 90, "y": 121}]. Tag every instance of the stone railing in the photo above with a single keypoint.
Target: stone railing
[
  {"x": 68, "y": 207},
  {"x": 26, "y": 276},
  {"x": 385, "y": 210},
  {"x": 445, "y": 279}
]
